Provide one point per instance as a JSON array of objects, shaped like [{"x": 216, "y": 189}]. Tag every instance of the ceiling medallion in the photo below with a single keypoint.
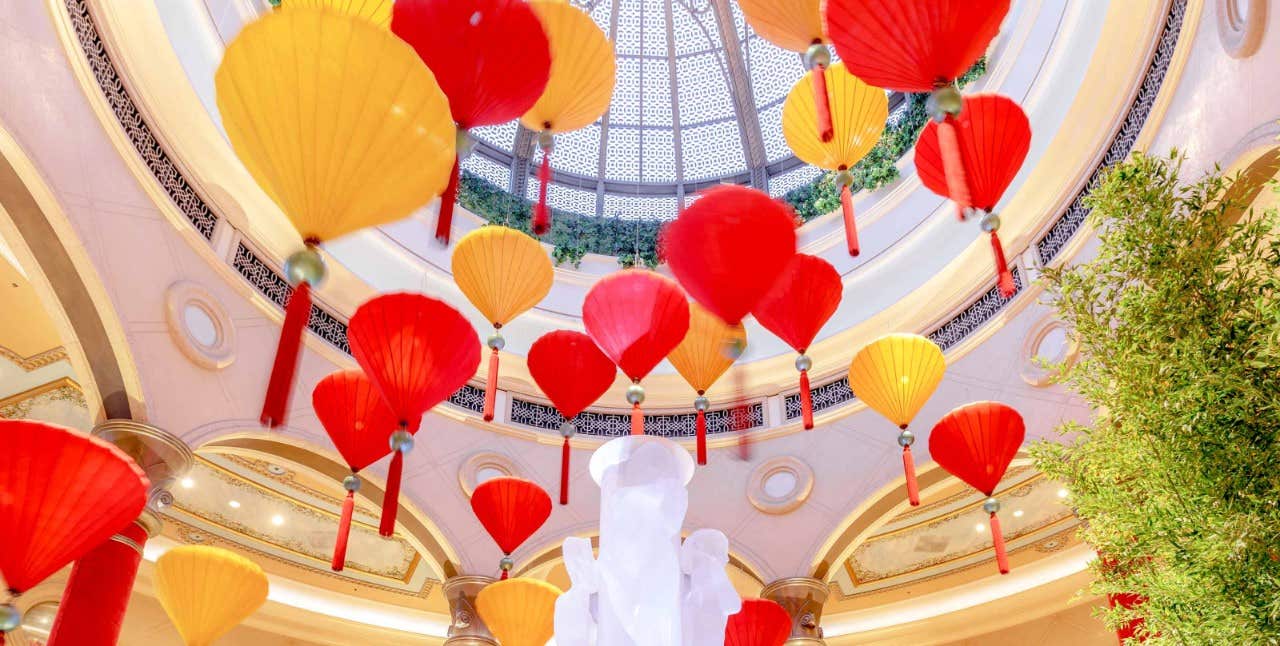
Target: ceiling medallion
[
  {"x": 200, "y": 326},
  {"x": 1241, "y": 25},
  {"x": 780, "y": 485}
]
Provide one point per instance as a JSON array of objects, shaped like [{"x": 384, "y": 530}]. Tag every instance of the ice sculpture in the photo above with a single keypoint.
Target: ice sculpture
[{"x": 645, "y": 587}]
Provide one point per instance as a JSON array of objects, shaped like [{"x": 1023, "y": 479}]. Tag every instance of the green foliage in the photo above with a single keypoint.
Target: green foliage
[
  {"x": 636, "y": 241},
  {"x": 1178, "y": 478}
]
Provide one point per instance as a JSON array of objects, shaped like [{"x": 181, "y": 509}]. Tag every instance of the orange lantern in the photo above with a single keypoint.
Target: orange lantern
[
  {"x": 858, "y": 115},
  {"x": 796, "y": 25},
  {"x": 583, "y": 71},
  {"x": 706, "y": 353},
  {"x": 504, "y": 273}
]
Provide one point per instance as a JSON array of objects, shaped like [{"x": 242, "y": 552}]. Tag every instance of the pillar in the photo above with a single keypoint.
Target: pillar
[
  {"x": 803, "y": 599},
  {"x": 97, "y": 594},
  {"x": 466, "y": 627}
]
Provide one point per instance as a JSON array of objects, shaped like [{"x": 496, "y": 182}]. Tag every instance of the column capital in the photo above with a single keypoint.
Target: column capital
[
  {"x": 160, "y": 454},
  {"x": 466, "y": 627},
  {"x": 802, "y": 598}
]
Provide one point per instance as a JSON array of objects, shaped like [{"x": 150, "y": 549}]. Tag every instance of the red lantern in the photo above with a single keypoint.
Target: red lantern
[
  {"x": 803, "y": 300},
  {"x": 976, "y": 443},
  {"x": 761, "y": 622},
  {"x": 573, "y": 373},
  {"x": 417, "y": 351},
  {"x": 637, "y": 318},
  {"x": 359, "y": 423},
  {"x": 728, "y": 248},
  {"x": 62, "y": 493},
  {"x": 511, "y": 510},
  {"x": 491, "y": 58},
  {"x": 919, "y": 46},
  {"x": 993, "y": 135}
]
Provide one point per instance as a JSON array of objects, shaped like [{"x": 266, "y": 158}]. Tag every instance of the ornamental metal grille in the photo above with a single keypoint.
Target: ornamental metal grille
[{"x": 539, "y": 416}]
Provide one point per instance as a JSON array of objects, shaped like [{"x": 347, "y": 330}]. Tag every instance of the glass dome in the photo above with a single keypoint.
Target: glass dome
[{"x": 698, "y": 102}]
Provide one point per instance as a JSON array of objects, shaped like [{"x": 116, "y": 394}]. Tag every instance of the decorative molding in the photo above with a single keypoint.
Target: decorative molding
[
  {"x": 469, "y": 472},
  {"x": 759, "y": 496},
  {"x": 214, "y": 356},
  {"x": 19, "y": 406},
  {"x": 329, "y": 327},
  {"x": 37, "y": 360},
  {"x": 1241, "y": 26},
  {"x": 1039, "y": 375}
]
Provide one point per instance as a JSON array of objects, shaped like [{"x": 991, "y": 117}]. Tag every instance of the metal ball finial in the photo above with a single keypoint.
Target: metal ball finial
[
  {"x": 990, "y": 223},
  {"x": 10, "y": 618},
  {"x": 463, "y": 144},
  {"x": 906, "y": 438},
  {"x": 735, "y": 347},
  {"x": 701, "y": 404},
  {"x": 495, "y": 341},
  {"x": 844, "y": 178},
  {"x": 351, "y": 483},
  {"x": 401, "y": 441},
  {"x": 818, "y": 55},
  {"x": 635, "y": 394},
  {"x": 944, "y": 102},
  {"x": 991, "y": 505},
  {"x": 567, "y": 430},
  {"x": 506, "y": 564},
  {"x": 546, "y": 140},
  {"x": 305, "y": 266},
  {"x": 803, "y": 363}
]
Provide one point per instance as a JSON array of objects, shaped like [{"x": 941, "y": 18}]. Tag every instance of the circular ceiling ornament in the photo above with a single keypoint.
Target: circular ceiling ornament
[
  {"x": 483, "y": 467},
  {"x": 1050, "y": 342},
  {"x": 780, "y": 485},
  {"x": 1241, "y": 25},
  {"x": 200, "y": 326}
]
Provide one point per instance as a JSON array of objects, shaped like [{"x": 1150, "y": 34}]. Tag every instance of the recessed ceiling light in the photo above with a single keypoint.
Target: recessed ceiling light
[
  {"x": 234, "y": 504},
  {"x": 1063, "y": 493},
  {"x": 978, "y": 527},
  {"x": 277, "y": 520},
  {"x": 187, "y": 483},
  {"x": 1017, "y": 513}
]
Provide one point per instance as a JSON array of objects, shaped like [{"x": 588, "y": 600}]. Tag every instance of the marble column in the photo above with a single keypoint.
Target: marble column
[
  {"x": 97, "y": 594},
  {"x": 466, "y": 629},
  {"x": 802, "y": 598}
]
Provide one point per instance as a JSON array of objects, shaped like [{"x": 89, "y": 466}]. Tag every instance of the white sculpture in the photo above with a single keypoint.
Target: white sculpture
[{"x": 645, "y": 588}]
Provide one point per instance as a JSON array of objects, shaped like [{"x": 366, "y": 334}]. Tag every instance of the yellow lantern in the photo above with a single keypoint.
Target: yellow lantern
[
  {"x": 375, "y": 11},
  {"x": 895, "y": 375},
  {"x": 207, "y": 591},
  {"x": 707, "y": 351},
  {"x": 504, "y": 273},
  {"x": 343, "y": 127},
  {"x": 858, "y": 115},
  {"x": 797, "y": 25},
  {"x": 519, "y": 612},
  {"x": 579, "y": 89}
]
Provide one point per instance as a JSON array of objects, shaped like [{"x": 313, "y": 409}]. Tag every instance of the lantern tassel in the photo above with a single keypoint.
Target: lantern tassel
[
  {"x": 806, "y": 401},
  {"x": 850, "y": 225},
  {"x": 542, "y": 216},
  {"x": 822, "y": 103},
  {"x": 702, "y": 436},
  {"x": 637, "y": 420},
  {"x": 391, "y": 500},
  {"x": 344, "y": 531},
  {"x": 997, "y": 540},
  {"x": 280, "y": 387},
  {"x": 444, "y": 221},
  {"x": 1004, "y": 276},
  {"x": 491, "y": 386},
  {"x": 909, "y": 468},
  {"x": 504, "y": 576},
  {"x": 953, "y": 167},
  {"x": 564, "y": 472}
]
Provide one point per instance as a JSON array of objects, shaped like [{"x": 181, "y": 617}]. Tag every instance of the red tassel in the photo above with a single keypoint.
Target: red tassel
[
  {"x": 391, "y": 500},
  {"x": 850, "y": 225},
  {"x": 1004, "y": 276},
  {"x": 444, "y": 222},
  {"x": 997, "y": 540},
  {"x": 564, "y": 472},
  {"x": 344, "y": 531},
  {"x": 702, "y": 437},
  {"x": 637, "y": 420},
  {"x": 953, "y": 167},
  {"x": 491, "y": 386},
  {"x": 806, "y": 400},
  {"x": 822, "y": 103},
  {"x": 280, "y": 387},
  {"x": 909, "y": 468},
  {"x": 542, "y": 216},
  {"x": 504, "y": 576}
]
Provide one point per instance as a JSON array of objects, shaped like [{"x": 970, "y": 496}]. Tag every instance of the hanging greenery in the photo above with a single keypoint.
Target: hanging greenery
[
  {"x": 1178, "y": 479},
  {"x": 636, "y": 241}
]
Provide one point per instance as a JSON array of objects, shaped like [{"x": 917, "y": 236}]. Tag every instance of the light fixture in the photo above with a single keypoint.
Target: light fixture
[
  {"x": 277, "y": 520},
  {"x": 1017, "y": 513},
  {"x": 234, "y": 504},
  {"x": 187, "y": 483},
  {"x": 979, "y": 527},
  {"x": 1063, "y": 493}
]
